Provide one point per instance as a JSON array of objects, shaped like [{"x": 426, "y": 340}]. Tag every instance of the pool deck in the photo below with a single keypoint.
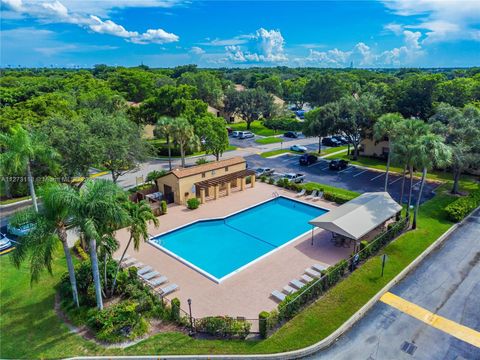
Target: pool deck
[{"x": 247, "y": 292}]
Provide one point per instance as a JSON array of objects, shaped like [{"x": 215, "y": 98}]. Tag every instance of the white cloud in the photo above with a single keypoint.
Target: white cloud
[
  {"x": 238, "y": 40},
  {"x": 197, "y": 50},
  {"x": 442, "y": 20},
  {"x": 263, "y": 46},
  {"x": 55, "y": 11},
  {"x": 397, "y": 29},
  {"x": 363, "y": 56}
]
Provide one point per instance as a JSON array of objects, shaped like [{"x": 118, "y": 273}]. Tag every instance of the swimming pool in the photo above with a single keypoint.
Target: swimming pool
[{"x": 220, "y": 247}]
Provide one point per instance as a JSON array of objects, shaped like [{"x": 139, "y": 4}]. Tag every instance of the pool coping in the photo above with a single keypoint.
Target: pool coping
[{"x": 243, "y": 267}]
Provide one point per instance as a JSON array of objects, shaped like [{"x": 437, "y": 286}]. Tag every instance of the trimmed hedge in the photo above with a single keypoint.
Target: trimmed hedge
[
  {"x": 283, "y": 124},
  {"x": 338, "y": 198},
  {"x": 193, "y": 203},
  {"x": 263, "y": 323},
  {"x": 461, "y": 207},
  {"x": 223, "y": 326}
]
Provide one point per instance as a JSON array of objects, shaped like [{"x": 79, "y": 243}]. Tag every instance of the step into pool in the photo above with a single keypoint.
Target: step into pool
[{"x": 221, "y": 247}]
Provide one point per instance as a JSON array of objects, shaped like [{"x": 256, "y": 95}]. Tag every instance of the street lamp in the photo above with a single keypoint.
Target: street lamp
[{"x": 190, "y": 333}]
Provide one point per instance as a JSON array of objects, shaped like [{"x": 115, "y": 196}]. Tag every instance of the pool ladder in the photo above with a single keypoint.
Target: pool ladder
[{"x": 275, "y": 194}]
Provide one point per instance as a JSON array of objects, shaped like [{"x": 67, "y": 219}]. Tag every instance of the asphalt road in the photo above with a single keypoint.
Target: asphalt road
[
  {"x": 352, "y": 178},
  {"x": 447, "y": 284}
]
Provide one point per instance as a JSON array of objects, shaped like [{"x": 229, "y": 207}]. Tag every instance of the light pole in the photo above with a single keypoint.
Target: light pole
[{"x": 190, "y": 333}]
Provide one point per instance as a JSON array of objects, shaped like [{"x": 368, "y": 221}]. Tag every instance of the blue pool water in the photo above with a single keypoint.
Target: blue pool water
[{"x": 220, "y": 247}]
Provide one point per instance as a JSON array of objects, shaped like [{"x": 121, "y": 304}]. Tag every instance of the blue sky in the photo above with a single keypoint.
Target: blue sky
[{"x": 165, "y": 33}]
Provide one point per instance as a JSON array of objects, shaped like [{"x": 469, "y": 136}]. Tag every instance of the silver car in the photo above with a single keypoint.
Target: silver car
[{"x": 5, "y": 242}]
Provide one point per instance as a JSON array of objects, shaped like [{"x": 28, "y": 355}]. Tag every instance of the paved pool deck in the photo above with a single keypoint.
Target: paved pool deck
[{"x": 247, "y": 292}]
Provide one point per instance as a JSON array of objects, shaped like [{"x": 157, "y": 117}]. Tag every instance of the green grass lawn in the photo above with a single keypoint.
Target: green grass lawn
[
  {"x": 333, "y": 150},
  {"x": 269, "y": 140},
  {"x": 256, "y": 127},
  {"x": 14, "y": 200},
  {"x": 27, "y": 315},
  {"x": 267, "y": 154}
]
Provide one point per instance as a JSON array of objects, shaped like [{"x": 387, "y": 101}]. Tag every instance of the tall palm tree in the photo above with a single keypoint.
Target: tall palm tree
[
  {"x": 59, "y": 202},
  {"x": 164, "y": 128},
  {"x": 99, "y": 213},
  {"x": 432, "y": 152},
  {"x": 387, "y": 126},
  {"x": 139, "y": 215},
  {"x": 184, "y": 136},
  {"x": 20, "y": 150},
  {"x": 405, "y": 148}
]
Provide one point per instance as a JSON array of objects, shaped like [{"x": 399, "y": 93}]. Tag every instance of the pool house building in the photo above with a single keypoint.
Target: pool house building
[{"x": 208, "y": 181}]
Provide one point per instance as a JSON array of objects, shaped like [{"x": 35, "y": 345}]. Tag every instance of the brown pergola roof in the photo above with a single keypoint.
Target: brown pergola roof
[{"x": 224, "y": 179}]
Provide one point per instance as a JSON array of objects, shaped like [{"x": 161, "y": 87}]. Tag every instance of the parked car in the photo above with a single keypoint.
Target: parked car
[
  {"x": 329, "y": 141},
  {"x": 300, "y": 114},
  {"x": 5, "y": 242},
  {"x": 338, "y": 164},
  {"x": 235, "y": 133},
  {"x": 245, "y": 135},
  {"x": 298, "y": 148},
  {"x": 229, "y": 130},
  {"x": 308, "y": 159},
  {"x": 264, "y": 171},
  {"x": 341, "y": 139},
  {"x": 20, "y": 230},
  {"x": 291, "y": 134},
  {"x": 296, "y": 178}
]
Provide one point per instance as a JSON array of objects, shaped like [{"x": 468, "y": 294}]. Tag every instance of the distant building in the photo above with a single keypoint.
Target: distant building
[{"x": 369, "y": 147}]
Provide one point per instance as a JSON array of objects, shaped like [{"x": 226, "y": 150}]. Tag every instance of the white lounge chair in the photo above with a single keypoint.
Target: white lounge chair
[
  {"x": 289, "y": 290},
  {"x": 319, "y": 267},
  {"x": 149, "y": 275},
  {"x": 278, "y": 295},
  {"x": 158, "y": 281},
  {"x": 129, "y": 262},
  {"x": 144, "y": 270},
  {"x": 168, "y": 289},
  {"x": 312, "y": 195},
  {"x": 318, "y": 196},
  {"x": 297, "y": 283},
  {"x": 301, "y": 193},
  {"x": 312, "y": 273},
  {"x": 307, "y": 278}
]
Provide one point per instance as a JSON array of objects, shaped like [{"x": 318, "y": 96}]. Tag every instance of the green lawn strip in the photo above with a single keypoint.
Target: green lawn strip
[
  {"x": 277, "y": 152},
  {"x": 316, "y": 186},
  {"x": 14, "y": 200},
  {"x": 256, "y": 127},
  {"x": 28, "y": 317},
  {"x": 197, "y": 153},
  {"x": 333, "y": 150},
  {"x": 269, "y": 140}
]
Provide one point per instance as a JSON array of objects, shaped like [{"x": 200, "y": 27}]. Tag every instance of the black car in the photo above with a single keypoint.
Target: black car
[
  {"x": 308, "y": 159},
  {"x": 328, "y": 141},
  {"x": 338, "y": 164},
  {"x": 291, "y": 134},
  {"x": 341, "y": 139}
]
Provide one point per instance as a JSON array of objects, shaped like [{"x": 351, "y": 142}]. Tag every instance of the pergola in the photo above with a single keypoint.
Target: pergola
[
  {"x": 215, "y": 183},
  {"x": 358, "y": 217}
]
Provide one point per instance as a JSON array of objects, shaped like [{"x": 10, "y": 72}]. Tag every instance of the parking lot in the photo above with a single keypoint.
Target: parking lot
[
  {"x": 352, "y": 178},
  {"x": 235, "y": 141}
]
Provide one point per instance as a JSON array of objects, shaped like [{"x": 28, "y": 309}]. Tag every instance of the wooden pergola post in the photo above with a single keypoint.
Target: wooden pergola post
[{"x": 202, "y": 195}]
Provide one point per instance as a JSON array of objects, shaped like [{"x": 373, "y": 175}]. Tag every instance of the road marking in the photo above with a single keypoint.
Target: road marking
[
  {"x": 450, "y": 327},
  {"x": 376, "y": 177},
  {"x": 394, "y": 181},
  {"x": 360, "y": 173},
  {"x": 348, "y": 168},
  {"x": 325, "y": 168}
]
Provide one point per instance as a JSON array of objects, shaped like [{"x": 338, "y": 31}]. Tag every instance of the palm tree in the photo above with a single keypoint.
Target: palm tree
[
  {"x": 164, "y": 128},
  {"x": 139, "y": 214},
  {"x": 387, "y": 126},
  {"x": 20, "y": 150},
  {"x": 432, "y": 152},
  {"x": 184, "y": 135},
  {"x": 405, "y": 148},
  {"x": 59, "y": 202},
  {"x": 99, "y": 213}
]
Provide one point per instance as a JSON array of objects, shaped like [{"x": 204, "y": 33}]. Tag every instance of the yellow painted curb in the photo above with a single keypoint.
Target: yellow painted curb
[{"x": 450, "y": 327}]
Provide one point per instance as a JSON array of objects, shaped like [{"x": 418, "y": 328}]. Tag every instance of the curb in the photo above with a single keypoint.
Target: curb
[
  {"x": 14, "y": 204},
  {"x": 322, "y": 344}
]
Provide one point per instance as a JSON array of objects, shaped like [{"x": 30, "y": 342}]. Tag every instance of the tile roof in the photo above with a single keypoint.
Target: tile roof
[{"x": 195, "y": 170}]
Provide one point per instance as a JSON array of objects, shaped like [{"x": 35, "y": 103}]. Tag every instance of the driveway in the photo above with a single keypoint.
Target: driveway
[
  {"x": 445, "y": 288},
  {"x": 352, "y": 178}
]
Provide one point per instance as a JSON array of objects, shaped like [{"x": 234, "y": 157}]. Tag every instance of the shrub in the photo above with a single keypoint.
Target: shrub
[
  {"x": 201, "y": 161},
  {"x": 118, "y": 322},
  {"x": 283, "y": 123},
  {"x": 175, "y": 309},
  {"x": 338, "y": 198},
  {"x": 248, "y": 179},
  {"x": 271, "y": 181},
  {"x": 461, "y": 207},
  {"x": 163, "y": 206},
  {"x": 263, "y": 323},
  {"x": 223, "y": 326},
  {"x": 193, "y": 203},
  {"x": 263, "y": 178},
  {"x": 79, "y": 250}
]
